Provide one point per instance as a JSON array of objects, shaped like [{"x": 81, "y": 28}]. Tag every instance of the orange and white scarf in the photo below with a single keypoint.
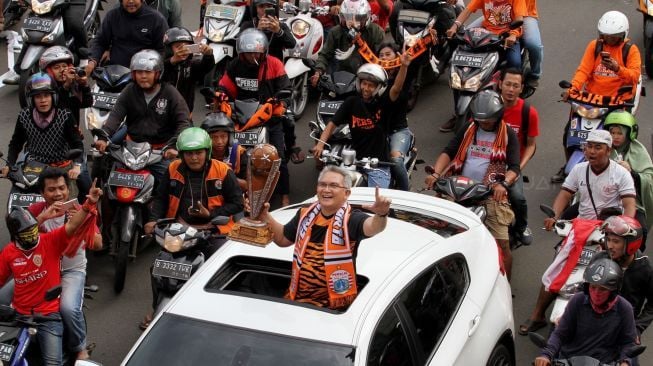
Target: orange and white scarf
[{"x": 338, "y": 255}]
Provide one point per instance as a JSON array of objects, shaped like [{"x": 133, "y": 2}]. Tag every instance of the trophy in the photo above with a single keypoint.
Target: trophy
[{"x": 262, "y": 176}]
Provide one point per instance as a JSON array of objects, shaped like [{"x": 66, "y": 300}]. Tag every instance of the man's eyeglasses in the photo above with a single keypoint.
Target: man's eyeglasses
[{"x": 331, "y": 186}]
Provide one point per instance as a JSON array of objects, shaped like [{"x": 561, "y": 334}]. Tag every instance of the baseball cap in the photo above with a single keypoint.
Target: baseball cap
[{"x": 600, "y": 136}]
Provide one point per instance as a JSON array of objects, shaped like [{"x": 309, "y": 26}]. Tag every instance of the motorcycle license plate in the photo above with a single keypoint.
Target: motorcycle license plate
[
  {"x": 586, "y": 256},
  {"x": 126, "y": 180},
  {"x": 169, "y": 269},
  {"x": 467, "y": 60},
  {"x": 6, "y": 350},
  {"x": 247, "y": 138},
  {"x": 221, "y": 11},
  {"x": 327, "y": 107},
  {"x": 580, "y": 134},
  {"x": 24, "y": 200},
  {"x": 38, "y": 24},
  {"x": 104, "y": 101}
]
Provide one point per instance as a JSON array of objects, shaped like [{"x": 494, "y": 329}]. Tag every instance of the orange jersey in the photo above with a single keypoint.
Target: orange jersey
[
  {"x": 531, "y": 8},
  {"x": 498, "y": 14},
  {"x": 597, "y": 79}
]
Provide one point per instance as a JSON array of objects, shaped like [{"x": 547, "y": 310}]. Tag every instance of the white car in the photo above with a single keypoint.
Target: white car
[{"x": 431, "y": 292}]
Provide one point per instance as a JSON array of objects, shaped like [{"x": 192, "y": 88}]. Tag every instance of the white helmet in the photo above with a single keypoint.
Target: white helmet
[
  {"x": 356, "y": 12},
  {"x": 374, "y": 73},
  {"x": 613, "y": 23}
]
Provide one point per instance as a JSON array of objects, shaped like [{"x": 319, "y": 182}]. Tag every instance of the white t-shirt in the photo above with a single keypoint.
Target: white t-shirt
[
  {"x": 478, "y": 155},
  {"x": 608, "y": 188}
]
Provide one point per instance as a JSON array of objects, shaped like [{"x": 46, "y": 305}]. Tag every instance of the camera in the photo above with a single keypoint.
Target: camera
[{"x": 80, "y": 71}]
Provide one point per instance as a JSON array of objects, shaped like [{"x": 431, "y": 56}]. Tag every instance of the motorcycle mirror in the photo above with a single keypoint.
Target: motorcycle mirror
[
  {"x": 516, "y": 24},
  {"x": 74, "y": 154},
  {"x": 564, "y": 84},
  {"x": 548, "y": 211},
  {"x": 220, "y": 220},
  {"x": 635, "y": 351},
  {"x": 537, "y": 339},
  {"x": 53, "y": 293},
  {"x": 309, "y": 63}
]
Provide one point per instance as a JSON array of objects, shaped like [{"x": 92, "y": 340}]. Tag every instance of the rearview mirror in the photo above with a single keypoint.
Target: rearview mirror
[
  {"x": 537, "y": 339},
  {"x": 564, "y": 84},
  {"x": 548, "y": 211}
]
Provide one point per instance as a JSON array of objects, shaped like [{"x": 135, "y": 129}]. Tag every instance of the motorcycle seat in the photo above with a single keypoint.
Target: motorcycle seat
[{"x": 8, "y": 333}]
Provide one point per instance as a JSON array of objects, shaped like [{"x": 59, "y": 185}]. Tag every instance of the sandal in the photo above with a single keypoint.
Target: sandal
[
  {"x": 145, "y": 323},
  {"x": 297, "y": 156},
  {"x": 531, "y": 325}
]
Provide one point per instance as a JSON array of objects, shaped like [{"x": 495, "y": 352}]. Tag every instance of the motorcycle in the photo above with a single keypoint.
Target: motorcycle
[
  {"x": 588, "y": 111},
  {"x": 646, "y": 8},
  {"x": 109, "y": 80},
  {"x": 346, "y": 159},
  {"x": 44, "y": 27},
  {"x": 13, "y": 10},
  {"x": 309, "y": 35},
  {"x": 128, "y": 189},
  {"x": 180, "y": 255},
  {"x": 464, "y": 191}
]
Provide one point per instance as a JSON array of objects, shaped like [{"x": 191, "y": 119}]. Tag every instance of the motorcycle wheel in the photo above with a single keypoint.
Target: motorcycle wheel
[
  {"x": 122, "y": 254},
  {"x": 299, "y": 95},
  {"x": 500, "y": 356}
]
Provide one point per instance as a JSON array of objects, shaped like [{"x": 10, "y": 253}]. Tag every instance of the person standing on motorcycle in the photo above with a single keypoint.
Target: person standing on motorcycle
[
  {"x": 611, "y": 185},
  {"x": 628, "y": 152},
  {"x": 354, "y": 18},
  {"x": 34, "y": 260},
  {"x": 524, "y": 120},
  {"x": 44, "y": 131},
  {"x": 256, "y": 75},
  {"x": 363, "y": 114},
  {"x": 153, "y": 111},
  {"x": 170, "y": 10},
  {"x": 181, "y": 67},
  {"x": 53, "y": 185},
  {"x": 609, "y": 63},
  {"x": 279, "y": 35},
  {"x": 597, "y": 322},
  {"x": 126, "y": 30},
  {"x": 224, "y": 148},
  {"x": 485, "y": 151}
]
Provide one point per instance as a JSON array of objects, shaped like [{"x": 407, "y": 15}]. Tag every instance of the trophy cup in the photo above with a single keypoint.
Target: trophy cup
[{"x": 262, "y": 177}]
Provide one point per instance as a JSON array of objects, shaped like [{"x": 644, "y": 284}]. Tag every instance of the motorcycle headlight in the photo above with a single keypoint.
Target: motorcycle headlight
[
  {"x": 410, "y": 39},
  {"x": 41, "y": 8},
  {"x": 213, "y": 31},
  {"x": 456, "y": 83},
  {"x": 567, "y": 291},
  {"x": 473, "y": 83},
  {"x": 136, "y": 162},
  {"x": 300, "y": 28},
  {"x": 173, "y": 243},
  {"x": 589, "y": 112},
  {"x": 92, "y": 121}
]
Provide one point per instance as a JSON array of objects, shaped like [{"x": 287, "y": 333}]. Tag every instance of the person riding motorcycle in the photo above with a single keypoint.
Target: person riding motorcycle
[
  {"x": 628, "y": 152},
  {"x": 258, "y": 76},
  {"x": 363, "y": 114},
  {"x": 354, "y": 18},
  {"x": 597, "y": 322},
  {"x": 223, "y": 146},
  {"x": 279, "y": 35}
]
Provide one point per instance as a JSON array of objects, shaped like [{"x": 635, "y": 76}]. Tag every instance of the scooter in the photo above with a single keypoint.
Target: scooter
[
  {"x": 646, "y": 8},
  {"x": 464, "y": 191},
  {"x": 128, "y": 189},
  {"x": 109, "y": 80},
  {"x": 309, "y": 35},
  {"x": 180, "y": 256},
  {"x": 44, "y": 27},
  {"x": 357, "y": 169}
]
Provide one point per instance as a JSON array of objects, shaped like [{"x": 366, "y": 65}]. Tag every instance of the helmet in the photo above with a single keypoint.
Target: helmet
[
  {"x": 622, "y": 118},
  {"x": 194, "y": 138},
  {"x": 40, "y": 83},
  {"x": 604, "y": 272},
  {"x": 147, "y": 60},
  {"x": 255, "y": 3},
  {"x": 627, "y": 228},
  {"x": 613, "y": 23},
  {"x": 252, "y": 40},
  {"x": 217, "y": 122},
  {"x": 177, "y": 34},
  {"x": 374, "y": 73},
  {"x": 356, "y": 12},
  {"x": 55, "y": 54},
  {"x": 486, "y": 105},
  {"x": 23, "y": 228}
]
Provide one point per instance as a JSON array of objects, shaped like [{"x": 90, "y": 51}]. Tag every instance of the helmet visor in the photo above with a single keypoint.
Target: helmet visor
[
  {"x": 355, "y": 20},
  {"x": 616, "y": 225},
  {"x": 27, "y": 239}
]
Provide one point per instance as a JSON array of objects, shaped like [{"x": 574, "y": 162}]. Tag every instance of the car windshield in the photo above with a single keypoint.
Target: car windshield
[{"x": 177, "y": 340}]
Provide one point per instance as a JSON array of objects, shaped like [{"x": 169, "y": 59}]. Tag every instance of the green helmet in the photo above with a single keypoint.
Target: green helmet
[
  {"x": 194, "y": 138},
  {"x": 622, "y": 118}
]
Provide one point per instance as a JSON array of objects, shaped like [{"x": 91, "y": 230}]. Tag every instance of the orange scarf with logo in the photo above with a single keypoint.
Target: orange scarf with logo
[
  {"x": 338, "y": 255},
  {"x": 417, "y": 49}
]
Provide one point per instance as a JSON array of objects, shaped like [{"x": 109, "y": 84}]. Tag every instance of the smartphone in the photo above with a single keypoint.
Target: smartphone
[
  {"x": 194, "y": 48},
  {"x": 69, "y": 204},
  {"x": 605, "y": 55},
  {"x": 270, "y": 12}
]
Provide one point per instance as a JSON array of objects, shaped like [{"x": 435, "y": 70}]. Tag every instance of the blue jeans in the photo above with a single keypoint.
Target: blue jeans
[
  {"x": 378, "y": 177},
  {"x": 49, "y": 334},
  {"x": 533, "y": 43},
  {"x": 72, "y": 297},
  {"x": 400, "y": 142},
  {"x": 119, "y": 135}
]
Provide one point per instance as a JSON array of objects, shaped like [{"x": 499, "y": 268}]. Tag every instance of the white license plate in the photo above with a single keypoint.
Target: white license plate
[
  {"x": 221, "y": 11},
  {"x": 104, "y": 101},
  {"x": 180, "y": 271}
]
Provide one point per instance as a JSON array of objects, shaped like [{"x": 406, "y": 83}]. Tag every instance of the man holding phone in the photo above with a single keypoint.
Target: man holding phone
[{"x": 265, "y": 17}]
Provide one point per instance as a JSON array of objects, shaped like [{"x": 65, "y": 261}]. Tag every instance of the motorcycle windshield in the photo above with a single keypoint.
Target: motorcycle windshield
[
  {"x": 113, "y": 78},
  {"x": 245, "y": 109},
  {"x": 344, "y": 82},
  {"x": 221, "y": 22},
  {"x": 478, "y": 38}
]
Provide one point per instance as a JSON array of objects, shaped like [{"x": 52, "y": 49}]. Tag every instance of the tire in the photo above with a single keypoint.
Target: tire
[
  {"x": 122, "y": 254},
  {"x": 299, "y": 95},
  {"x": 500, "y": 356}
]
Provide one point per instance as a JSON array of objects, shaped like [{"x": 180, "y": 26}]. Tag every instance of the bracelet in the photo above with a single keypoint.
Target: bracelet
[
  {"x": 384, "y": 215},
  {"x": 438, "y": 177},
  {"x": 458, "y": 23}
]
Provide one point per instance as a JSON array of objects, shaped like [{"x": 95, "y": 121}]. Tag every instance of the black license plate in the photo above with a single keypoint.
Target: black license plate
[
  {"x": 169, "y": 269},
  {"x": 465, "y": 60},
  {"x": 126, "y": 180},
  {"x": 580, "y": 134},
  {"x": 586, "y": 256},
  {"x": 6, "y": 350},
  {"x": 38, "y": 24},
  {"x": 24, "y": 200},
  {"x": 247, "y": 138},
  {"x": 330, "y": 108},
  {"x": 104, "y": 101}
]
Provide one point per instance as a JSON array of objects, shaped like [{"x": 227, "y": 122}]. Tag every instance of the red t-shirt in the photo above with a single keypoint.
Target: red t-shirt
[
  {"x": 512, "y": 116},
  {"x": 379, "y": 15},
  {"x": 35, "y": 273}
]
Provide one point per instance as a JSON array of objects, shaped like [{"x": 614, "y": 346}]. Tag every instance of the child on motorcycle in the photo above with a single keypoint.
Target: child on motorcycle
[{"x": 224, "y": 147}]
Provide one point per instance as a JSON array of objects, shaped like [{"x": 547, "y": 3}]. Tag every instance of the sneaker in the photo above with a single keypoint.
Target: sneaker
[
  {"x": 449, "y": 125},
  {"x": 526, "y": 236},
  {"x": 12, "y": 79},
  {"x": 560, "y": 176}
]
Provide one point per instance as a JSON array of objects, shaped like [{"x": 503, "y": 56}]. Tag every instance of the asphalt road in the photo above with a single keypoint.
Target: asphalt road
[{"x": 566, "y": 28}]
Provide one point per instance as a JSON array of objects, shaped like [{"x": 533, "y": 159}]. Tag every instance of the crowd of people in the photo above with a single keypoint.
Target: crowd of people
[{"x": 204, "y": 169}]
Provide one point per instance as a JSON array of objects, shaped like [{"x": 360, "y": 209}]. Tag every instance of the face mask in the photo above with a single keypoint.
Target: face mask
[
  {"x": 599, "y": 296},
  {"x": 28, "y": 239}
]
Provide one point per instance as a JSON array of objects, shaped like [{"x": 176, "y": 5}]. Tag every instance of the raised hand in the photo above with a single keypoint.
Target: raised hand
[
  {"x": 94, "y": 193},
  {"x": 381, "y": 205}
]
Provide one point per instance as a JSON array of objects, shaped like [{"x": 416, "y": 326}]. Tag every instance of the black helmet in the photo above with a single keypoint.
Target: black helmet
[
  {"x": 604, "y": 272},
  {"x": 23, "y": 228},
  {"x": 255, "y": 3},
  {"x": 177, "y": 34},
  {"x": 487, "y": 105},
  {"x": 217, "y": 122},
  {"x": 40, "y": 83}
]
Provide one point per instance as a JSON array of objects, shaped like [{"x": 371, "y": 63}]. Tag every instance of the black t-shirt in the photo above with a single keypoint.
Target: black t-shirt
[
  {"x": 368, "y": 133},
  {"x": 394, "y": 113},
  {"x": 355, "y": 228}
]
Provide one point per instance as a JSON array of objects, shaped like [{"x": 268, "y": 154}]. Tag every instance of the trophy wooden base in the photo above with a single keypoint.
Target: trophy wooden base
[{"x": 252, "y": 232}]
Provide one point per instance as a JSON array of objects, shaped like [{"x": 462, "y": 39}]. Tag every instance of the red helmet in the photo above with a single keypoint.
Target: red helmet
[{"x": 627, "y": 228}]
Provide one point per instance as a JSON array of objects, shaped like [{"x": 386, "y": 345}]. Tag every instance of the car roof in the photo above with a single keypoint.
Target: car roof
[{"x": 380, "y": 259}]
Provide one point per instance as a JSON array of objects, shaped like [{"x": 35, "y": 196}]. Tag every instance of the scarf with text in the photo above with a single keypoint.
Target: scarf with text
[{"x": 414, "y": 51}]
